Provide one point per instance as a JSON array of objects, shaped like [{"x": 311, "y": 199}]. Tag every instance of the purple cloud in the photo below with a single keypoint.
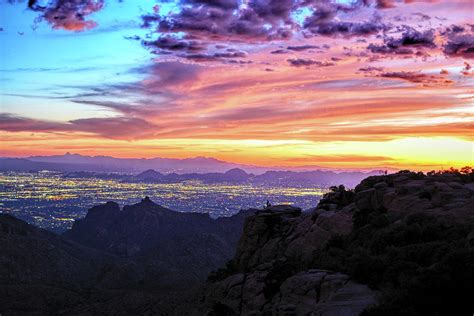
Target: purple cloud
[
  {"x": 279, "y": 51},
  {"x": 346, "y": 29},
  {"x": 302, "y": 62},
  {"x": 302, "y": 47},
  {"x": 114, "y": 128},
  {"x": 404, "y": 45},
  {"x": 67, "y": 14},
  {"x": 460, "y": 46},
  {"x": 418, "y": 77},
  {"x": 212, "y": 24},
  {"x": 174, "y": 44}
]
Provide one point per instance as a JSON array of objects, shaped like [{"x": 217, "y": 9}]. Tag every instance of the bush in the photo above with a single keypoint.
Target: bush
[{"x": 422, "y": 265}]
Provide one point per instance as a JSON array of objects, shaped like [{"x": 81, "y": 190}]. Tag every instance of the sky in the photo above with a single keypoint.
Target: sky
[{"x": 293, "y": 83}]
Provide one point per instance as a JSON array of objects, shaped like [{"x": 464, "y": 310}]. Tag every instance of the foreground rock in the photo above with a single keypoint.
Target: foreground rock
[
  {"x": 271, "y": 275},
  {"x": 277, "y": 266}
]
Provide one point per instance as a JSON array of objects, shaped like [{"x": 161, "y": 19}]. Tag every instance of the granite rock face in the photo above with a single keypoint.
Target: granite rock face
[
  {"x": 310, "y": 292},
  {"x": 270, "y": 272},
  {"x": 274, "y": 272}
]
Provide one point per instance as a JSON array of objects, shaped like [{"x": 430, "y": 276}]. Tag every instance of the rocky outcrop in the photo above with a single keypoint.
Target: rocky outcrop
[
  {"x": 405, "y": 192},
  {"x": 276, "y": 267},
  {"x": 310, "y": 292},
  {"x": 271, "y": 275}
]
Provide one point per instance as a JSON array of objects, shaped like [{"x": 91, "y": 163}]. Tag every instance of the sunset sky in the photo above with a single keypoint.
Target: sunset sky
[{"x": 344, "y": 84}]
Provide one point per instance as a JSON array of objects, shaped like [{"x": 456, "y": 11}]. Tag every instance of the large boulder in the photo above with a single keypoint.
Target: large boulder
[{"x": 310, "y": 292}]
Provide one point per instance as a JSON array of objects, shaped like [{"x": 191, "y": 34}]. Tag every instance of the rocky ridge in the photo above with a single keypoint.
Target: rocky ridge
[
  {"x": 141, "y": 259},
  {"x": 277, "y": 269}
]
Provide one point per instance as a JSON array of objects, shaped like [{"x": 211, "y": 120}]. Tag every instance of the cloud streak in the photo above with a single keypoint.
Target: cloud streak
[{"x": 114, "y": 128}]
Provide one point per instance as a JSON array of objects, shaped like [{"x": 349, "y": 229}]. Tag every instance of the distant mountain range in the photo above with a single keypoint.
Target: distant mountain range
[
  {"x": 167, "y": 170},
  {"x": 75, "y": 162},
  {"x": 277, "y": 178}
]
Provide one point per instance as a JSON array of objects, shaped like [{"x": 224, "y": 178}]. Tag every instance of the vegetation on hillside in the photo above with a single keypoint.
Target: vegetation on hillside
[{"x": 421, "y": 264}]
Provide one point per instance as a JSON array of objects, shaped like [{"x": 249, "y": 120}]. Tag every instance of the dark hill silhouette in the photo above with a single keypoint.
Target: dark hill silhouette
[
  {"x": 150, "y": 175},
  {"x": 41, "y": 271},
  {"x": 237, "y": 175},
  {"x": 112, "y": 260},
  {"x": 279, "y": 178},
  {"x": 181, "y": 248},
  {"x": 166, "y": 165}
]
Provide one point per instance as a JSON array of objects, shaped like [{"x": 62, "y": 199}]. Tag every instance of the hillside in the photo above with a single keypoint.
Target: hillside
[
  {"x": 41, "y": 271},
  {"x": 180, "y": 248},
  {"x": 401, "y": 244},
  {"x": 140, "y": 259}
]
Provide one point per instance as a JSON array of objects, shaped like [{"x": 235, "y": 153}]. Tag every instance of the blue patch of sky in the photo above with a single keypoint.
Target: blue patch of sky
[
  {"x": 300, "y": 15},
  {"x": 168, "y": 8},
  {"x": 36, "y": 60}
]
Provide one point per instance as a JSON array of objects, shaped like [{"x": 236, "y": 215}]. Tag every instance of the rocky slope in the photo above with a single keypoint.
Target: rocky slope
[
  {"x": 140, "y": 259},
  {"x": 174, "y": 249},
  {"x": 371, "y": 234},
  {"x": 41, "y": 271}
]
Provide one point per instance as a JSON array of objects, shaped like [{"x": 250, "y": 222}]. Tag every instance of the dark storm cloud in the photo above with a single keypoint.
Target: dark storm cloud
[{"x": 412, "y": 37}]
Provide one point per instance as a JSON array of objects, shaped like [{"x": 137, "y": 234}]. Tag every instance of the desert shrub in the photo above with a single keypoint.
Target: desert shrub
[
  {"x": 422, "y": 265},
  {"x": 337, "y": 195}
]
